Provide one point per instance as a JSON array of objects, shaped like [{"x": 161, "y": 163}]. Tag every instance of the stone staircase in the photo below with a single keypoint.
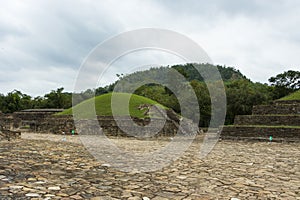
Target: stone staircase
[{"x": 279, "y": 120}]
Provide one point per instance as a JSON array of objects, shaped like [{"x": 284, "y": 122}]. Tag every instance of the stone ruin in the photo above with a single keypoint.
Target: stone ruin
[
  {"x": 279, "y": 121},
  {"x": 8, "y": 134},
  {"x": 44, "y": 121}
]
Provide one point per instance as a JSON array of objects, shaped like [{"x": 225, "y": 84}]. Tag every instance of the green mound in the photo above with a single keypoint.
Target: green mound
[
  {"x": 293, "y": 96},
  {"x": 102, "y": 106}
]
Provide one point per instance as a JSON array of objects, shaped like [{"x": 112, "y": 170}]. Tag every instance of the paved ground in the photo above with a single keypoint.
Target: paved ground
[{"x": 44, "y": 169}]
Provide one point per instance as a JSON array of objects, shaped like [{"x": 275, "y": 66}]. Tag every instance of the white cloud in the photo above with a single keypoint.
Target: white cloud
[
  {"x": 43, "y": 43},
  {"x": 37, "y": 81}
]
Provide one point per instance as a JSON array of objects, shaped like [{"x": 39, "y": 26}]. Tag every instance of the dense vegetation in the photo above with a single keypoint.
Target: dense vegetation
[
  {"x": 16, "y": 101},
  {"x": 285, "y": 83},
  {"x": 241, "y": 92}
]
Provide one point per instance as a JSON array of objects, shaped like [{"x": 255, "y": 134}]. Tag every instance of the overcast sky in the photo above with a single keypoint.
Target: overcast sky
[{"x": 43, "y": 43}]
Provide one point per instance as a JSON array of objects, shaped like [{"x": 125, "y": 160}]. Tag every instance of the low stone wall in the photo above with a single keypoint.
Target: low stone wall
[
  {"x": 286, "y": 102},
  {"x": 7, "y": 121},
  {"x": 46, "y": 122},
  {"x": 60, "y": 124},
  {"x": 54, "y": 124},
  {"x": 31, "y": 116},
  {"x": 276, "y": 109},
  {"x": 272, "y": 120},
  {"x": 109, "y": 127},
  {"x": 248, "y": 132}
]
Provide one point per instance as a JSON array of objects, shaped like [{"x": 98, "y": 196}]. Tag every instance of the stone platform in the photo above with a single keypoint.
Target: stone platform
[
  {"x": 56, "y": 169},
  {"x": 279, "y": 120}
]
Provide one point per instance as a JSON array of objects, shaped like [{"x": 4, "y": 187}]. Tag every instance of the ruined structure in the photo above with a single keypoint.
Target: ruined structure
[
  {"x": 279, "y": 121},
  {"x": 8, "y": 134},
  {"x": 45, "y": 121}
]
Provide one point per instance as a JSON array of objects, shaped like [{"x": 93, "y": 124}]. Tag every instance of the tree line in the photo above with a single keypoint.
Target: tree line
[{"x": 241, "y": 92}]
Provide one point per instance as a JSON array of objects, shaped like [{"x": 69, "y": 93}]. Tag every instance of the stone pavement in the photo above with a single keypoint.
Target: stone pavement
[{"x": 50, "y": 168}]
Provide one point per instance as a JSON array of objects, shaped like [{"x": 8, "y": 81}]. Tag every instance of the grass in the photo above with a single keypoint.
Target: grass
[
  {"x": 293, "y": 96},
  {"x": 102, "y": 106}
]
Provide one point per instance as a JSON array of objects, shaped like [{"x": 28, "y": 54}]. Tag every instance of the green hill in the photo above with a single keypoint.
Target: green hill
[
  {"x": 188, "y": 70},
  {"x": 103, "y": 106},
  {"x": 293, "y": 96}
]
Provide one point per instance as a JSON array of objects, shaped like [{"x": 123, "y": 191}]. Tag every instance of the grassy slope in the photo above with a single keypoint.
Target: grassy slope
[
  {"x": 103, "y": 106},
  {"x": 293, "y": 96}
]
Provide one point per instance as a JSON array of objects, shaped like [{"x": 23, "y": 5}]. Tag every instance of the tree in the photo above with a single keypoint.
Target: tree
[
  {"x": 285, "y": 83},
  {"x": 58, "y": 99},
  {"x": 12, "y": 102},
  {"x": 38, "y": 102},
  {"x": 100, "y": 91},
  {"x": 15, "y": 101},
  {"x": 289, "y": 79},
  {"x": 242, "y": 95},
  {"x": 204, "y": 102}
]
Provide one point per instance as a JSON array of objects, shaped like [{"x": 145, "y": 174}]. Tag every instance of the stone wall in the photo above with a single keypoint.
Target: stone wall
[
  {"x": 7, "y": 121},
  {"x": 53, "y": 124},
  {"x": 256, "y": 132},
  {"x": 110, "y": 127},
  {"x": 272, "y": 120},
  {"x": 31, "y": 116},
  {"x": 286, "y": 102},
  {"x": 281, "y": 120},
  {"x": 277, "y": 108},
  {"x": 46, "y": 122},
  {"x": 60, "y": 124}
]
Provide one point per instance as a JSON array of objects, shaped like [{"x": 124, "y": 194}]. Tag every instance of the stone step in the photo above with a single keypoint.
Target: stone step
[
  {"x": 272, "y": 120},
  {"x": 279, "y": 133},
  {"x": 287, "y": 102},
  {"x": 277, "y": 109}
]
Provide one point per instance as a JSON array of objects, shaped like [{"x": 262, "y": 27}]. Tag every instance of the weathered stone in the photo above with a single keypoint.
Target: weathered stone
[
  {"x": 243, "y": 170},
  {"x": 32, "y": 195},
  {"x": 134, "y": 198},
  {"x": 277, "y": 122},
  {"x": 62, "y": 194},
  {"x": 181, "y": 177},
  {"x": 39, "y": 182},
  {"x": 279, "y": 107},
  {"x": 76, "y": 197},
  {"x": 106, "y": 165},
  {"x": 49, "y": 195},
  {"x": 55, "y": 188},
  {"x": 43, "y": 121},
  {"x": 26, "y": 189},
  {"x": 16, "y": 187}
]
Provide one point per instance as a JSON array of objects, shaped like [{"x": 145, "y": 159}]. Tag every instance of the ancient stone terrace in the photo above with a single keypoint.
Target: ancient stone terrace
[
  {"x": 44, "y": 121},
  {"x": 280, "y": 120},
  {"x": 35, "y": 168}
]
